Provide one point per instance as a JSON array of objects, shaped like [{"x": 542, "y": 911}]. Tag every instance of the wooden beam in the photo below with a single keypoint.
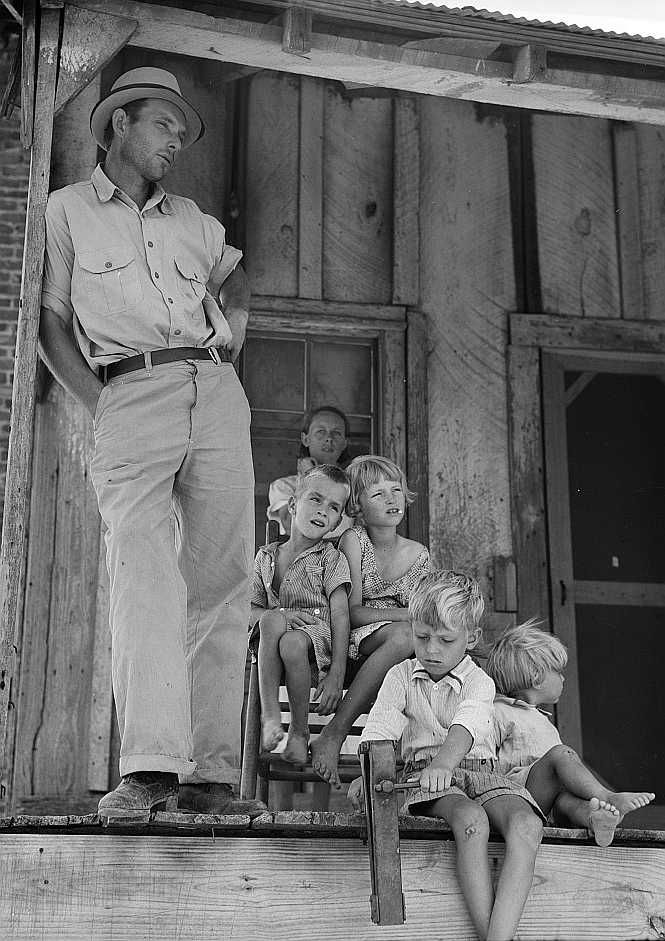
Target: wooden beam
[
  {"x": 629, "y": 228},
  {"x": 297, "y": 31},
  {"x": 530, "y": 63},
  {"x": 406, "y": 209},
  {"x": 28, "y": 71},
  {"x": 310, "y": 190},
  {"x": 527, "y": 484},
  {"x": 587, "y": 333},
  {"x": 78, "y": 887},
  {"x": 505, "y": 584},
  {"x": 89, "y": 41},
  {"x": 13, "y": 11},
  {"x": 417, "y": 429},
  {"x": 389, "y": 66},
  {"x": 101, "y": 693},
  {"x": 19, "y": 462},
  {"x": 642, "y": 594}
]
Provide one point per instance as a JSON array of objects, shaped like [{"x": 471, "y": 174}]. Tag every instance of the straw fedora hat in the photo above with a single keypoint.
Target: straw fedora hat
[{"x": 144, "y": 83}]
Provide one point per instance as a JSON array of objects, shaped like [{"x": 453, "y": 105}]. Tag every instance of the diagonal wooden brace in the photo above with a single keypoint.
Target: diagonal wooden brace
[{"x": 378, "y": 764}]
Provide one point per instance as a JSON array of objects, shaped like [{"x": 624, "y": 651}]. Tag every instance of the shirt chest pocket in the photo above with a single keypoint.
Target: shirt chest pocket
[
  {"x": 190, "y": 278},
  {"x": 110, "y": 278},
  {"x": 314, "y": 574}
]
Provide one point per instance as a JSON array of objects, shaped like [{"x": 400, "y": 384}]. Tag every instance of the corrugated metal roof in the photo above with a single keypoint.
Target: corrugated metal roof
[{"x": 509, "y": 19}]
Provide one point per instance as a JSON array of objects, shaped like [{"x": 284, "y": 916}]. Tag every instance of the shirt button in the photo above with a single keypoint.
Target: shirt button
[
  {"x": 170, "y": 300},
  {"x": 108, "y": 264},
  {"x": 150, "y": 245},
  {"x": 177, "y": 332},
  {"x": 156, "y": 274}
]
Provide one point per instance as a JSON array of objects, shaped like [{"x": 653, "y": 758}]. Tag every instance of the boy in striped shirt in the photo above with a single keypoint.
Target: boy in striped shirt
[{"x": 439, "y": 707}]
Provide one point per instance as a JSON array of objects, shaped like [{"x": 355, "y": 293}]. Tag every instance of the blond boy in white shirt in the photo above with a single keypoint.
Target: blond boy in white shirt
[
  {"x": 439, "y": 707},
  {"x": 527, "y": 667}
]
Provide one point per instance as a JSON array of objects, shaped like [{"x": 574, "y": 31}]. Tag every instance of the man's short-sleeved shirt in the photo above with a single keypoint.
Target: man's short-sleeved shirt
[{"x": 130, "y": 279}]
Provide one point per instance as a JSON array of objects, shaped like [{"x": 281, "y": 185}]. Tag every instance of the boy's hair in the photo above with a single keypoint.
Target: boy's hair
[
  {"x": 309, "y": 417},
  {"x": 448, "y": 599},
  {"x": 522, "y": 655},
  {"x": 368, "y": 469},
  {"x": 329, "y": 471}
]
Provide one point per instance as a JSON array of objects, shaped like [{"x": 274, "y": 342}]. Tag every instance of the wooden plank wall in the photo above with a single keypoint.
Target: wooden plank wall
[
  {"x": 467, "y": 285},
  {"x": 90, "y": 887},
  {"x": 314, "y": 149}
]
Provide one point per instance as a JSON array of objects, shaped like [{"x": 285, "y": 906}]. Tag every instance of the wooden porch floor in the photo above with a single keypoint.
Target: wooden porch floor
[{"x": 299, "y": 875}]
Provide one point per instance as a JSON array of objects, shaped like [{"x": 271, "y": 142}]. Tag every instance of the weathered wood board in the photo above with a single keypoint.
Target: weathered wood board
[
  {"x": 467, "y": 285},
  {"x": 651, "y": 189},
  {"x": 577, "y": 239},
  {"x": 358, "y": 198},
  {"x": 103, "y": 887}
]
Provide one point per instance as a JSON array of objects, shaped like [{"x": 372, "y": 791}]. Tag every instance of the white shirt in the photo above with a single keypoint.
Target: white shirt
[
  {"x": 413, "y": 708},
  {"x": 523, "y": 733}
]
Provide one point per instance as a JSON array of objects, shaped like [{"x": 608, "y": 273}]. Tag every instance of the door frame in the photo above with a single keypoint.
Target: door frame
[{"x": 540, "y": 346}]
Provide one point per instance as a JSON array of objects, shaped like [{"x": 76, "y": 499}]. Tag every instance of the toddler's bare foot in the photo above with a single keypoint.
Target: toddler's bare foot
[
  {"x": 297, "y": 746},
  {"x": 272, "y": 734},
  {"x": 325, "y": 755},
  {"x": 625, "y": 801},
  {"x": 603, "y": 820}
]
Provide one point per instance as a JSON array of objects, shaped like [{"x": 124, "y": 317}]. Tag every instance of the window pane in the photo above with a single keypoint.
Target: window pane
[
  {"x": 274, "y": 373},
  {"x": 341, "y": 374}
]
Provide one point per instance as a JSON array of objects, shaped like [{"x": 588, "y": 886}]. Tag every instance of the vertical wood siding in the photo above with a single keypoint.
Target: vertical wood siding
[{"x": 467, "y": 285}]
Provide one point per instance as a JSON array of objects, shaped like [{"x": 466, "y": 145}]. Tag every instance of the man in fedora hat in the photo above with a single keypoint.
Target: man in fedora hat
[{"x": 144, "y": 309}]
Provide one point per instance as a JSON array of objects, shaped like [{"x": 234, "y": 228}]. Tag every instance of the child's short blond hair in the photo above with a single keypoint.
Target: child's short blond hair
[
  {"x": 367, "y": 470},
  {"x": 522, "y": 656},
  {"x": 329, "y": 472},
  {"x": 448, "y": 599}
]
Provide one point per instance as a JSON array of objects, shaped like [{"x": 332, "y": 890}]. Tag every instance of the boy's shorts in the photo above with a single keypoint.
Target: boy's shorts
[{"x": 474, "y": 778}]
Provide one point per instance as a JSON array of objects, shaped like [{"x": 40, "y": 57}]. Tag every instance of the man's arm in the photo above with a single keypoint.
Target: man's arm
[
  {"x": 61, "y": 354},
  {"x": 234, "y": 298}
]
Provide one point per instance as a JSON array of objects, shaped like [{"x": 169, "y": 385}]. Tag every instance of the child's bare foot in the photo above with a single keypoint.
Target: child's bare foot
[
  {"x": 325, "y": 755},
  {"x": 297, "y": 747},
  {"x": 625, "y": 801},
  {"x": 272, "y": 734},
  {"x": 603, "y": 820}
]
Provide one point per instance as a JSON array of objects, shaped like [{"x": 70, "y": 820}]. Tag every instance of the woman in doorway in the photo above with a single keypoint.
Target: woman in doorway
[{"x": 323, "y": 440}]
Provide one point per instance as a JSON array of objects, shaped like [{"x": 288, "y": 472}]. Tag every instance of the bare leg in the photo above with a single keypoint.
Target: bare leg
[
  {"x": 470, "y": 826},
  {"x": 294, "y": 649},
  {"x": 384, "y": 648},
  {"x": 522, "y": 831},
  {"x": 598, "y": 816},
  {"x": 561, "y": 769},
  {"x": 272, "y": 626}
]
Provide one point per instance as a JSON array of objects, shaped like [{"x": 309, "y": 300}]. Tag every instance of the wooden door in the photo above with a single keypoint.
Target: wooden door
[{"x": 605, "y": 481}]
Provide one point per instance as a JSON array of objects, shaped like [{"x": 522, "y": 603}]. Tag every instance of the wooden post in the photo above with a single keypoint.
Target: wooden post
[
  {"x": 379, "y": 779},
  {"x": 19, "y": 462}
]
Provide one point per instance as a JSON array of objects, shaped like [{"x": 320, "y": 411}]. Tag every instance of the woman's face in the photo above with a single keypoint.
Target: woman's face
[{"x": 326, "y": 437}]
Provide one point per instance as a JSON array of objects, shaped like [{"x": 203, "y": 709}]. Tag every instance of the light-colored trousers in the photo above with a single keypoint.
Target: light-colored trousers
[{"x": 173, "y": 459}]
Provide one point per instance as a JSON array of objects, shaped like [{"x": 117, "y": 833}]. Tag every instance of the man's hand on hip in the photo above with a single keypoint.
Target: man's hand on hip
[{"x": 237, "y": 320}]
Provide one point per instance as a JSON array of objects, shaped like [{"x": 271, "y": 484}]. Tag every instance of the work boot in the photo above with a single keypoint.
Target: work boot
[
  {"x": 137, "y": 796},
  {"x": 216, "y": 799}
]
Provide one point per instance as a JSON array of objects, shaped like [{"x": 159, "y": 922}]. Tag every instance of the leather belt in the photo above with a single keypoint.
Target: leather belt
[{"x": 157, "y": 357}]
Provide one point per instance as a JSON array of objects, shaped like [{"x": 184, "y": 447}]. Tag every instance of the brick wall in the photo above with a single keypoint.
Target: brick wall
[{"x": 14, "y": 171}]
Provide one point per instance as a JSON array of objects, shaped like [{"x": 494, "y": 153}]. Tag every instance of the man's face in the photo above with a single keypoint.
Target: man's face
[{"x": 150, "y": 143}]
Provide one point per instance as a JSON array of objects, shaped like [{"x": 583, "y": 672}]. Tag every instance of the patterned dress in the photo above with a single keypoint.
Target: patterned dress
[
  {"x": 307, "y": 586},
  {"x": 376, "y": 593}
]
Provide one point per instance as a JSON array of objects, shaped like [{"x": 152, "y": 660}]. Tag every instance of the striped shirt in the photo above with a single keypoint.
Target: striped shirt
[
  {"x": 307, "y": 585},
  {"x": 417, "y": 711},
  {"x": 132, "y": 279}
]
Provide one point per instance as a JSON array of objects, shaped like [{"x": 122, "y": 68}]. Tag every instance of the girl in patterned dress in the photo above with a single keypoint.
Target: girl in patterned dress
[
  {"x": 300, "y": 604},
  {"x": 385, "y": 567}
]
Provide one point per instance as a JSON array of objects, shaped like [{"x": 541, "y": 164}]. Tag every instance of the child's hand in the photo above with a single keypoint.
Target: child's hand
[
  {"x": 328, "y": 693},
  {"x": 298, "y": 618},
  {"x": 433, "y": 778},
  {"x": 356, "y": 794},
  {"x": 304, "y": 465}
]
